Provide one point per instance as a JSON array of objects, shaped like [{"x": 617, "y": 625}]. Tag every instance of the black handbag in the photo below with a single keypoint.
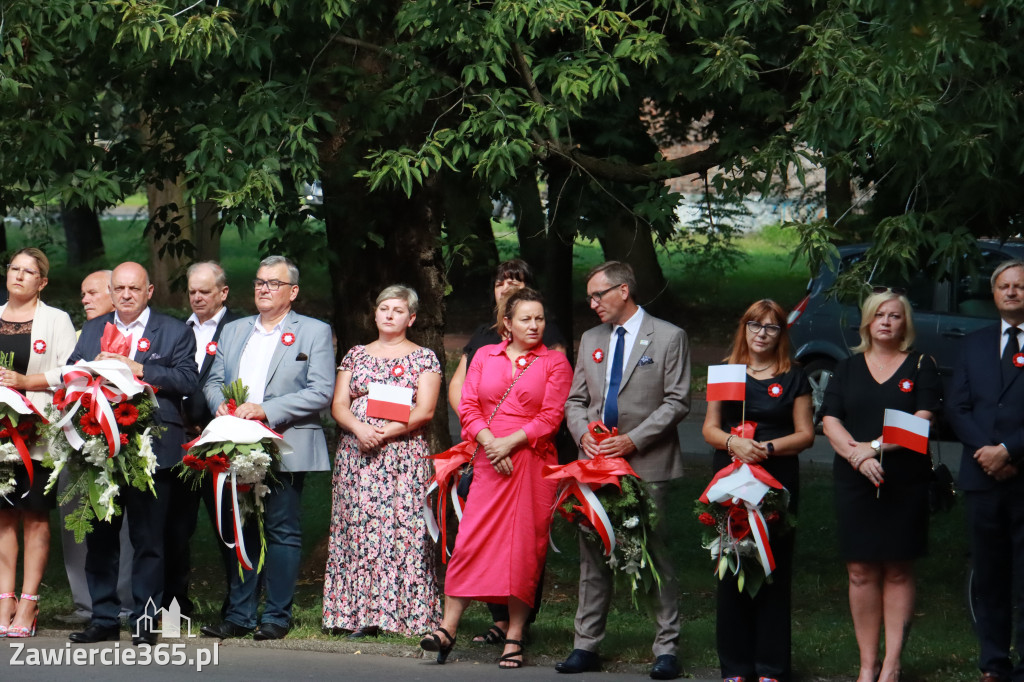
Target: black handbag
[
  {"x": 466, "y": 479},
  {"x": 941, "y": 487}
]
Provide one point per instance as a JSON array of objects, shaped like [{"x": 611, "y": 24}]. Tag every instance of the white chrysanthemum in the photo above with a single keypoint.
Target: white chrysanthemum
[
  {"x": 95, "y": 452},
  {"x": 631, "y": 522},
  {"x": 9, "y": 453}
]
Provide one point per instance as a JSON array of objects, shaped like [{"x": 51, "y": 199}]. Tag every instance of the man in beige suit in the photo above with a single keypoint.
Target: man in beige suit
[{"x": 633, "y": 372}]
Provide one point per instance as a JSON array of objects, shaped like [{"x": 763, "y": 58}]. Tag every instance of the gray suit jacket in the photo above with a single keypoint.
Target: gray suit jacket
[
  {"x": 654, "y": 395},
  {"x": 300, "y": 383}
]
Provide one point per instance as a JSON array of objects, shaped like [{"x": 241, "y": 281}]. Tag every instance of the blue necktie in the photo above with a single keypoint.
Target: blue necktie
[{"x": 611, "y": 404}]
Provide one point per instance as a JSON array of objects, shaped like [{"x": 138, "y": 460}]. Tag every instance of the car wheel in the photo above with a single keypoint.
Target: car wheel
[{"x": 819, "y": 371}]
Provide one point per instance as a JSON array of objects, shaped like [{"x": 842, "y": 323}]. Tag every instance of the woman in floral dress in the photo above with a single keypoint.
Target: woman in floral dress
[{"x": 380, "y": 573}]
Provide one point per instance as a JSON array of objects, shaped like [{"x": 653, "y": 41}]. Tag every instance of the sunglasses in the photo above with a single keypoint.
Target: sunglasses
[{"x": 898, "y": 291}]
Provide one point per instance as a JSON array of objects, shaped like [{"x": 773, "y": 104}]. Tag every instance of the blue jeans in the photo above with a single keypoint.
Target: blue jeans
[{"x": 281, "y": 524}]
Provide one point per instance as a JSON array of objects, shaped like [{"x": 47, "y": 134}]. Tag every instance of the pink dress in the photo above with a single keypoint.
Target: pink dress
[{"x": 503, "y": 536}]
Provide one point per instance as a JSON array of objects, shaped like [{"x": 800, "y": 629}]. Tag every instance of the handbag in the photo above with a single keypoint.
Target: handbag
[
  {"x": 466, "y": 479},
  {"x": 941, "y": 487}
]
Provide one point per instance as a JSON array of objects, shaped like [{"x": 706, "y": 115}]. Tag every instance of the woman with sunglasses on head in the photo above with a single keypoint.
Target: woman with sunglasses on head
[
  {"x": 881, "y": 490},
  {"x": 754, "y": 633}
]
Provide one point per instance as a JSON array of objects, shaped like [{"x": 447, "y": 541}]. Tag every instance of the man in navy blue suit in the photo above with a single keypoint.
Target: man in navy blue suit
[
  {"x": 986, "y": 410},
  {"x": 162, "y": 353}
]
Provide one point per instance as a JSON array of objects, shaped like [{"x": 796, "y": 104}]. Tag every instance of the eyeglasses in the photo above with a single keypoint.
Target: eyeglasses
[
  {"x": 769, "y": 329},
  {"x": 898, "y": 291},
  {"x": 598, "y": 295},
  {"x": 18, "y": 269},
  {"x": 272, "y": 284}
]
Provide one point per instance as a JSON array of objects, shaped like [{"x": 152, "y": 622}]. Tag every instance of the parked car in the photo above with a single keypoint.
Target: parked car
[{"x": 823, "y": 329}]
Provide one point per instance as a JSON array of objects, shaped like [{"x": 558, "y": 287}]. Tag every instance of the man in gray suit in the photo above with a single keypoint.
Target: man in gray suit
[
  {"x": 286, "y": 360},
  {"x": 632, "y": 372}
]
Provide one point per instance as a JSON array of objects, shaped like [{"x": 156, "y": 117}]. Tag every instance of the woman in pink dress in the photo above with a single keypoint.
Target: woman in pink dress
[{"x": 503, "y": 537}]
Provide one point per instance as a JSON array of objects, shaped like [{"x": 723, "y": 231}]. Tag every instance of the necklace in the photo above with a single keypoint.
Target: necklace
[{"x": 759, "y": 369}]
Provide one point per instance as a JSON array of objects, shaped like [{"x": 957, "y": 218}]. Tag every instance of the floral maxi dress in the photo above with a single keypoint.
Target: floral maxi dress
[{"x": 380, "y": 568}]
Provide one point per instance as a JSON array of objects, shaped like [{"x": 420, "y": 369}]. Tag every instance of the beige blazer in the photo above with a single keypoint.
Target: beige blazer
[
  {"x": 654, "y": 395},
  {"x": 54, "y": 328}
]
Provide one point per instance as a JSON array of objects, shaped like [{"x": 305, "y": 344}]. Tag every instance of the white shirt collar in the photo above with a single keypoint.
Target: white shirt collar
[
  {"x": 141, "y": 321},
  {"x": 632, "y": 325},
  {"x": 193, "y": 320}
]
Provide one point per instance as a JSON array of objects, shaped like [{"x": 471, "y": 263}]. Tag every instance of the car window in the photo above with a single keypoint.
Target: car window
[
  {"x": 973, "y": 289},
  {"x": 923, "y": 291}
]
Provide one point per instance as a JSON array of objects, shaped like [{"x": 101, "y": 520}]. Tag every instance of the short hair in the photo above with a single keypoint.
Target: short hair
[
  {"x": 293, "y": 270},
  {"x": 867, "y": 315},
  {"x": 220, "y": 278},
  {"x": 516, "y": 269},
  {"x": 1003, "y": 267},
  {"x": 509, "y": 303},
  {"x": 740, "y": 354},
  {"x": 400, "y": 291},
  {"x": 617, "y": 273},
  {"x": 42, "y": 262}
]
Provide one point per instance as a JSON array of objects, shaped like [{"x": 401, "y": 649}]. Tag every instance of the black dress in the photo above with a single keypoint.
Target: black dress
[
  {"x": 754, "y": 635},
  {"x": 16, "y": 337},
  {"x": 889, "y": 523}
]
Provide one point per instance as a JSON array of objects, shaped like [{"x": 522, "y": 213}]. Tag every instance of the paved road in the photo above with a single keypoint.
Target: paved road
[{"x": 287, "y": 660}]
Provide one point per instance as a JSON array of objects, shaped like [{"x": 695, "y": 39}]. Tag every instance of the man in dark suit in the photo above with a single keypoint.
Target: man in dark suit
[
  {"x": 207, "y": 292},
  {"x": 162, "y": 354},
  {"x": 986, "y": 410},
  {"x": 632, "y": 372}
]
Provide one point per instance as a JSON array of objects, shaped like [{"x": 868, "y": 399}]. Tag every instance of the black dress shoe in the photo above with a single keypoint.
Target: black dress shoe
[
  {"x": 96, "y": 633},
  {"x": 579, "y": 661},
  {"x": 225, "y": 630},
  {"x": 666, "y": 667},
  {"x": 368, "y": 631},
  {"x": 148, "y": 638},
  {"x": 270, "y": 631}
]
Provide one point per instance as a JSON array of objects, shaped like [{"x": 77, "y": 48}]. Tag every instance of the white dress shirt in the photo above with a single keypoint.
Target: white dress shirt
[
  {"x": 632, "y": 327},
  {"x": 204, "y": 332},
  {"x": 134, "y": 330},
  {"x": 1004, "y": 339},
  {"x": 255, "y": 361}
]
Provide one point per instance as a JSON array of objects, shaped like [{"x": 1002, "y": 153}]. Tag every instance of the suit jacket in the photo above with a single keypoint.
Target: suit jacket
[
  {"x": 981, "y": 410},
  {"x": 654, "y": 395},
  {"x": 196, "y": 410},
  {"x": 300, "y": 383},
  {"x": 169, "y": 366}
]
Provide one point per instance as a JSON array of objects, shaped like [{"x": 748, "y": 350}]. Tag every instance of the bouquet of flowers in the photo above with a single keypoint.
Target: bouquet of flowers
[
  {"x": 19, "y": 431},
  {"x": 117, "y": 415},
  {"x": 737, "y": 509},
  {"x": 239, "y": 452},
  {"x": 606, "y": 498}
]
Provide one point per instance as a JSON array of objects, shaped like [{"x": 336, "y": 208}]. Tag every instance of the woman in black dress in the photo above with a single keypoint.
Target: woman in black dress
[
  {"x": 881, "y": 490},
  {"x": 754, "y": 633}
]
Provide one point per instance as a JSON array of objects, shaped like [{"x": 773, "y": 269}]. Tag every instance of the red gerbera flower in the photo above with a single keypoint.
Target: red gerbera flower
[
  {"x": 126, "y": 414},
  {"x": 86, "y": 401},
  {"x": 217, "y": 463},
  {"x": 706, "y": 519},
  {"x": 738, "y": 522},
  {"x": 59, "y": 397},
  {"x": 90, "y": 426},
  {"x": 232, "y": 406},
  {"x": 193, "y": 462},
  {"x": 124, "y": 439}
]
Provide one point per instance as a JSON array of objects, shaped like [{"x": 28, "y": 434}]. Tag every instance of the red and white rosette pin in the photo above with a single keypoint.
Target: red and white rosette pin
[
  {"x": 39, "y": 346},
  {"x": 522, "y": 362},
  {"x": 775, "y": 390},
  {"x": 598, "y": 356},
  {"x": 287, "y": 338},
  {"x": 1018, "y": 360},
  {"x": 211, "y": 348},
  {"x": 397, "y": 371},
  {"x": 906, "y": 385},
  {"x": 143, "y": 345}
]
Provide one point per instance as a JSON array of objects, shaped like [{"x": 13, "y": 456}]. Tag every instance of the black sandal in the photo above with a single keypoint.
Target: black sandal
[
  {"x": 510, "y": 657},
  {"x": 493, "y": 636},
  {"x": 432, "y": 642}
]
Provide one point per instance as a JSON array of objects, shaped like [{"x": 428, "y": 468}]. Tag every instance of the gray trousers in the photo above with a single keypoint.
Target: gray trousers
[
  {"x": 596, "y": 583},
  {"x": 74, "y": 564}
]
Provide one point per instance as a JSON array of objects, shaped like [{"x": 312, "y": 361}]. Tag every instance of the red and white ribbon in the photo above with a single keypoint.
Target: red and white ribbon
[
  {"x": 20, "y": 404},
  {"x": 219, "y": 479}
]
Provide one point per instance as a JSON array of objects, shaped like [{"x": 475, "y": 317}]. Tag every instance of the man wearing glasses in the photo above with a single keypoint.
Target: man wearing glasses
[
  {"x": 286, "y": 361},
  {"x": 633, "y": 373}
]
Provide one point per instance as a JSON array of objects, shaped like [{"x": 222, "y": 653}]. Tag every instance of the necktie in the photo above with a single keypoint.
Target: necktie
[
  {"x": 1012, "y": 348},
  {"x": 611, "y": 403}
]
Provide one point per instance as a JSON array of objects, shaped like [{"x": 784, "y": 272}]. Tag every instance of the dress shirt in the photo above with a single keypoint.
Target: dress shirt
[
  {"x": 1004, "y": 325},
  {"x": 133, "y": 330},
  {"x": 204, "y": 332},
  {"x": 255, "y": 361},
  {"x": 632, "y": 327}
]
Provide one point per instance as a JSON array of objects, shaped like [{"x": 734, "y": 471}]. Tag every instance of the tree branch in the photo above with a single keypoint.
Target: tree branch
[{"x": 698, "y": 162}]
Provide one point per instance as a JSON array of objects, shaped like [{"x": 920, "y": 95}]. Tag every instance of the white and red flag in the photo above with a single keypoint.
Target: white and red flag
[
  {"x": 906, "y": 430},
  {"x": 727, "y": 382},
  {"x": 389, "y": 402}
]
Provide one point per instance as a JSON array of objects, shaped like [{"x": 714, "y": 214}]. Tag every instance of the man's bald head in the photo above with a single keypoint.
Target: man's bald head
[{"x": 96, "y": 294}]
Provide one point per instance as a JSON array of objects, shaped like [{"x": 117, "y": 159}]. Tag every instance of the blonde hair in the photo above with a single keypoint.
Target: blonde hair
[
  {"x": 870, "y": 307},
  {"x": 401, "y": 292}
]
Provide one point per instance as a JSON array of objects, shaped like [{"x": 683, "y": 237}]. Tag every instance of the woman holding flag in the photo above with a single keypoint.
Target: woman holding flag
[
  {"x": 881, "y": 486},
  {"x": 753, "y": 633}
]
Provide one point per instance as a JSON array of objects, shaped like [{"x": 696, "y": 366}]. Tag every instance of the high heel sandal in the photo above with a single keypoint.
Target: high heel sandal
[
  {"x": 4, "y": 626},
  {"x": 432, "y": 642},
  {"x": 19, "y": 631},
  {"x": 510, "y": 657}
]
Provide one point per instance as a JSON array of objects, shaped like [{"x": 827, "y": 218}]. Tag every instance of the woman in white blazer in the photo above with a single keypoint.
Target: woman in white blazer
[{"x": 41, "y": 339}]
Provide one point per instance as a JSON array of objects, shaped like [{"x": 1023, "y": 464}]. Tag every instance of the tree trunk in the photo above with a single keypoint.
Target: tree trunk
[
  {"x": 82, "y": 234},
  {"x": 206, "y": 234},
  {"x": 556, "y": 273},
  {"x": 627, "y": 239},
  {"x": 168, "y": 231},
  {"x": 838, "y": 192},
  {"x": 531, "y": 224},
  {"x": 467, "y": 220}
]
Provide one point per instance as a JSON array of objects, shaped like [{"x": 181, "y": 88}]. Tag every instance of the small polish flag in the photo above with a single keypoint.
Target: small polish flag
[
  {"x": 727, "y": 382},
  {"x": 906, "y": 430},
  {"x": 389, "y": 402}
]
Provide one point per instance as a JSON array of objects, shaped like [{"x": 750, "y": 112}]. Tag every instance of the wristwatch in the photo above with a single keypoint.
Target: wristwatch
[
  {"x": 876, "y": 445},
  {"x": 770, "y": 447}
]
